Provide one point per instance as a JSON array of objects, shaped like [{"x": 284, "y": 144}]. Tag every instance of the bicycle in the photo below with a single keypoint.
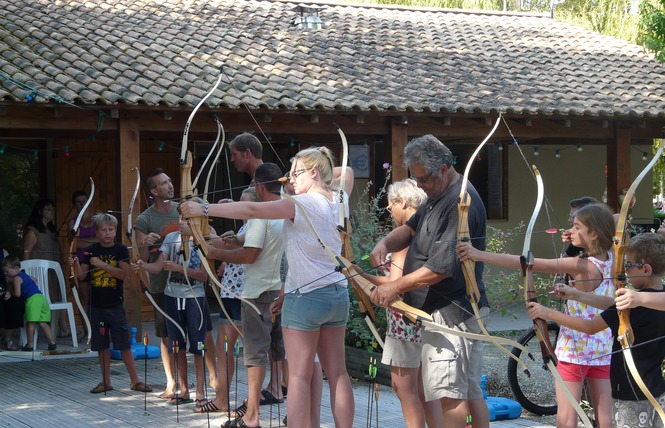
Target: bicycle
[{"x": 536, "y": 393}]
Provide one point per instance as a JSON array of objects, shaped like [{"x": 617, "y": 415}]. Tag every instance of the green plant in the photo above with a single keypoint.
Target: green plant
[
  {"x": 369, "y": 226},
  {"x": 505, "y": 288}
]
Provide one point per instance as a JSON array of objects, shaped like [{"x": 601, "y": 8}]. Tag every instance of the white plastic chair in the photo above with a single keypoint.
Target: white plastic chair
[{"x": 39, "y": 270}]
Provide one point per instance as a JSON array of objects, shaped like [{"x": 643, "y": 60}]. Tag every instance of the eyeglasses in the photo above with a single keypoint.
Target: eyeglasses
[
  {"x": 389, "y": 208},
  {"x": 421, "y": 180},
  {"x": 629, "y": 265},
  {"x": 162, "y": 183},
  {"x": 295, "y": 174}
]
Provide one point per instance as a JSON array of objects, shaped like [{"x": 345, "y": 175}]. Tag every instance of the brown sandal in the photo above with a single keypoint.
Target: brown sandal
[
  {"x": 142, "y": 387},
  {"x": 101, "y": 387}
]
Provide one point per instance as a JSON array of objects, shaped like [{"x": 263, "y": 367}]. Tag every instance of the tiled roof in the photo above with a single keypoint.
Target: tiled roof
[{"x": 367, "y": 58}]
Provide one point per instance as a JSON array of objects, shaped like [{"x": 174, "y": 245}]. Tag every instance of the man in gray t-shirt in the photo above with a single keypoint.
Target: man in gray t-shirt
[
  {"x": 152, "y": 226},
  {"x": 433, "y": 281}
]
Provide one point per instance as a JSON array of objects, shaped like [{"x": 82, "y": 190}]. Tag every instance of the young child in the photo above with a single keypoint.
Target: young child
[
  {"x": 105, "y": 263},
  {"x": 37, "y": 310},
  {"x": 645, "y": 266},
  {"x": 184, "y": 304},
  {"x": 592, "y": 230}
]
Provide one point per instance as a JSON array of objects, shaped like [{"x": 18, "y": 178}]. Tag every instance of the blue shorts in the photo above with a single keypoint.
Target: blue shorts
[
  {"x": 109, "y": 324},
  {"x": 232, "y": 306},
  {"x": 187, "y": 313},
  {"x": 325, "y": 307}
]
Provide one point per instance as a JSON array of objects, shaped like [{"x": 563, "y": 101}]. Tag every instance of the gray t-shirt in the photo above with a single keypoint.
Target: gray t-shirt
[
  {"x": 433, "y": 247},
  {"x": 150, "y": 221}
]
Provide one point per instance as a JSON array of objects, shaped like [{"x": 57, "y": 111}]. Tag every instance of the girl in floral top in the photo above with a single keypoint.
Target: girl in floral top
[{"x": 592, "y": 230}]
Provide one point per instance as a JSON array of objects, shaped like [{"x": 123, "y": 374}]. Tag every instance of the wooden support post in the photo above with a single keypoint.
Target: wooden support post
[
  {"x": 618, "y": 166},
  {"x": 398, "y": 139},
  {"x": 129, "y": 157}
]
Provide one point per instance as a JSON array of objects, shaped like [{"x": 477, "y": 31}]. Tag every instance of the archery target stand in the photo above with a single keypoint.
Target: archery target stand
[
  {"x": 138, "y": 350},
  {"x": 500, "y": 408}
]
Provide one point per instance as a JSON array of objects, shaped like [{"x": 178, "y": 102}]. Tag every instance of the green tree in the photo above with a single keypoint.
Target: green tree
[
  {"x": 609, "y": 17},
  {"x": 19, "y": 170},
  {"x": 652, "y": 27}
]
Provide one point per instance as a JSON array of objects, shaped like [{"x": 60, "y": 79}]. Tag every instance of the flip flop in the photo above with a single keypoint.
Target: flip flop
[
  {"x": 209, "y": 407},
  {"x": 240, "y": 411},
  {"x": 142, "y": 387},
  {"x": 237, "y": 422},
  {"x": 101, "y": 387},
  {"x": 268, "y": 398},
  {"x": 177, "y": 401}
]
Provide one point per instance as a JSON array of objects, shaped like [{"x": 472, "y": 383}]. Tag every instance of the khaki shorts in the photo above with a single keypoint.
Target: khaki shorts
[
  {"x": 261, "y": 335},
  {"x": 452, "y": 366},
  {"x": 399, "y": 353}
]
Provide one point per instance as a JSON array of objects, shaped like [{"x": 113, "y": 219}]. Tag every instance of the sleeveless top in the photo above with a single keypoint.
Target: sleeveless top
[
  {"x": 47, "y": 246},
  {"x": 86, "y": 232},
  {"x": 588, "y": 349},
  {"x": 28, "y": 286}
]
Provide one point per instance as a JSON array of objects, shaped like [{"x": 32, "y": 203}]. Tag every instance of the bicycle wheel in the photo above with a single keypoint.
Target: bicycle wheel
[{"x": 536, "y": 393}]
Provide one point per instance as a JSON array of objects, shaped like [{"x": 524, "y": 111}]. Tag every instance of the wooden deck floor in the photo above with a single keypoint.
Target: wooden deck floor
[{"x": 54, "y": 391}]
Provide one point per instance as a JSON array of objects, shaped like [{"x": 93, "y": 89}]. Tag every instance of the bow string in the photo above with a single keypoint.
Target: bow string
[
  {"x": 74, "y": 270},
  {"x": 468, "y": 265},
  {"x": 530, "y": 295},
  {"x": 134, "y": 255},
  {"x": 345, "y": 229},
  {"x": 199, "y": 226}
]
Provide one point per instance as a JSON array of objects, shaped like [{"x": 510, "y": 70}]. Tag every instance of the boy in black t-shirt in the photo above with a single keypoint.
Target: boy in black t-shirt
[
  {"x": 106, "y": 265},
  {"x": 645, "y": 265}
]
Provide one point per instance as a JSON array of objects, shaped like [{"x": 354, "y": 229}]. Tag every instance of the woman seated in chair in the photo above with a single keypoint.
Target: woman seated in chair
[{"x": 40, "y": 242}]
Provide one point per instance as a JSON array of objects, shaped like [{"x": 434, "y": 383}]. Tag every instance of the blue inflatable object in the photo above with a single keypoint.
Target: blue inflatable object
[
  {"x": 500, "y": 408},
  {"x": 138, "y": 350}
]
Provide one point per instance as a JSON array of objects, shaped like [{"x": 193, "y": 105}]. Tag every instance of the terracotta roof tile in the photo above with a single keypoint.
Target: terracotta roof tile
[{"x": 365, "y": 58}]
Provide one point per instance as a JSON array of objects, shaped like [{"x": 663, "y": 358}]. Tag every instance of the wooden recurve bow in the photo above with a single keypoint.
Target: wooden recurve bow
[
  {"x": 625, "y": 333},
  {"x": 530, "y": 295}
]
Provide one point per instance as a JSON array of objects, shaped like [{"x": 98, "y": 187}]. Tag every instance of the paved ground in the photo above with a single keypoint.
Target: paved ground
[{"x": 54, "y": 390}]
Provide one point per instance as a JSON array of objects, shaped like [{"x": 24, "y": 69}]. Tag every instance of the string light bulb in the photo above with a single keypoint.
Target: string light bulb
[
  {"x": 292, "y": 142},
  {"x": 557, "y": 153},
  {"x": 160, "y": 148},
  {"x": 644, "y": 156},
  {"x": 536, "y": 152},
  {"x": 35, "y": 153},
  {"x": 66, "y": 151},
  {"x": 499, "y": 146},
  {"x": 579, "y": 147},
  {"x": 2, "y": 149}
]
